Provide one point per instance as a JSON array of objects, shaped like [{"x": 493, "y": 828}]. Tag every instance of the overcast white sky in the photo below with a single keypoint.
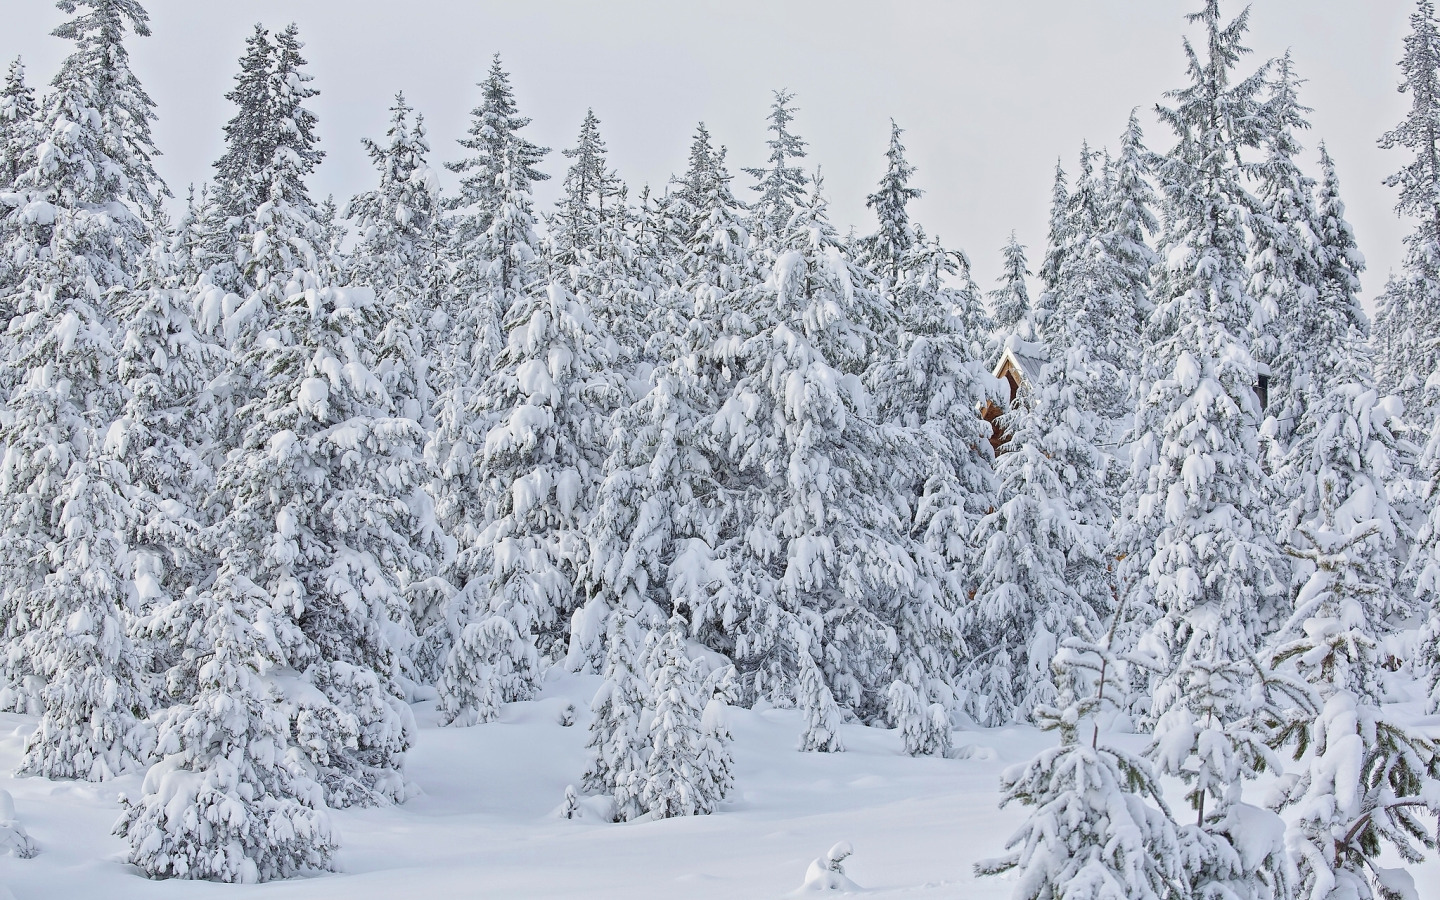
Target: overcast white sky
[{"x": 990, "y": 93}]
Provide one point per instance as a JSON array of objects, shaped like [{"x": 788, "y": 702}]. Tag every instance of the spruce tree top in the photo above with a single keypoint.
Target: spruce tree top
[
  {"x": 781, "y": 184},
  {"x": 888, "y": 245},
  {"x": 497, "y": 147},
  {"x": 1419, "y": 181}
]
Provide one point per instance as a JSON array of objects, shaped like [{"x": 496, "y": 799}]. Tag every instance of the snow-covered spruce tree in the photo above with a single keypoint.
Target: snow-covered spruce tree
[
  {"x": 1010, "y": 301},
  {"x": 227, "y": 801},
  {"x": 1041, "y": 559},
  {"x": 592, "y": 190},
  {"x": 821, "y": 732},
  {"x": 1058, "y": 248},
  {"x": 1080, "y": 308},
  {"x": 542, "y": 416},
  {"x": 1365, "y": 777},
  {"x": 617, "y": 743},
  {"x": 1285, "y": 256},
  {"x": 17, "y": 114},
  {"x": 930, "y": 386},
  {"x": 1199, "y": 563},
  {"x": 493, "y": 244},
  {"x": 656, "y": 510},
  {"x": 1100, "y": 828},
  {"x": 781, "y": 183},
  {"x": 401, "y": 253},
  {"x": 492, "y": 236},
  {"x": 316, "y": 489},
  {"x": 1408, "y": 316},
  {"x": 77, "y": 229},
  {"x": 164, "y": 440},
  {"x": 804, "y": 473},
  {"x": 270, "y": 149},
  {"x": 1215, "y": 582},
  {"x": 884, "y": 251},
  {"x": 1127, "y": 221},
  {"x": 319, "y": 523},
  {"x": 924, "y": 727},
  {"x": 687, "y": 772}
]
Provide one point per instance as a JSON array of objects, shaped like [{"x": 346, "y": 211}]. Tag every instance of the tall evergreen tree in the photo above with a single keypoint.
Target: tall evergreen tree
[
  {"x": 1010, "y": 301},
  {"x": 1364, "y": 775},
  {"x": 1409, "y": 312},
  {"x": 539, "y": 425},
  {"x": 17, "y": 114},
  {"x": 591, "y": 190},
  {"x": 799, "y": 480},
  {"x": 501, "y": 161},
  {"x": 1215, "y": 581},
  {"x": 165, "y": 440},
  {"x": 78, "y": 229},
  {"x": 1127, "y": 222},
  {"x": 930, "y": 387},
  {"x": 781, "y": 183},
  {"x": 885, "y": 250},
  {"x": 1041, "y": 567},
  {"x": 1285, "y": 255}
]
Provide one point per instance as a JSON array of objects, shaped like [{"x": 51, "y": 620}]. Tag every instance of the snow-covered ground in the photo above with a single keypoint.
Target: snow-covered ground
[{"x": 486, "y": 821}]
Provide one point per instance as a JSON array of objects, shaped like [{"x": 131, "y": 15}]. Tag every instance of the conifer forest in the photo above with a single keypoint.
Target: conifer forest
[{"x": 436, "y": 541}]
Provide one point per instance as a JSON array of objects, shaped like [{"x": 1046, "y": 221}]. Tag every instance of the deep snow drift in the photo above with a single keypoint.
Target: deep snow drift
[{"x": 487, "y": 823}]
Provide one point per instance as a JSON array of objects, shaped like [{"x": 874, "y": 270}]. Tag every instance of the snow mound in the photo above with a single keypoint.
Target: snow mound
[
  {"x": 828, "y": 874},
  {"x": 13, "y": 838}
]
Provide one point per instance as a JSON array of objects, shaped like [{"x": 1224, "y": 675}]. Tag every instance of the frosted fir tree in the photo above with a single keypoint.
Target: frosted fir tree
[
  {"x": 1199, "y": 559},
  {"x": 885, "y": 250},
  {"x": 1285, "y": 255},
  {"x": 1126, "y": 259},
  {"x": 1041, "y": 560},
  {"x": 592, "y": 191},
  {"x": 924, "y": 727},
  {"x": 782, "y": 182},
  {"x": 821, "y": 731},
  {"x": 400, "y": 253},
  {"x": 931, "y": 386},
  {"x": 688, "y": 770},
  {"x": 1010, "y": 301},
  {"x": 17, "y": 114},
  {"x": 493, "y": 238},
  {"x": 1364, "y": 777},
  {"x": 95, "y": 696},
  {"x": 800, "y": 480},
  {"x": 1099, "y": 827},
  {"x": 1408, "y": 316},
  {"x": 1078, "y": 308},
  {"x": 501, "y": 161},
  {"x": 320, "y": 484},
  {"x": 1059, "y": 247},
  {"x": 617, "y": 744},
  {"x": 929, "y": 379},
  {"x": 655, "y": 505},
  {"x": 319, "y": 522},
  {"x": 77, "y": 227},
  {"x": 227, "y": 801},
  {"x": 164, "y": 440},
  {"x": 270, "y": 149},
  {"x": 488, "y": 657},
  {"x": 543, "y": 415}
]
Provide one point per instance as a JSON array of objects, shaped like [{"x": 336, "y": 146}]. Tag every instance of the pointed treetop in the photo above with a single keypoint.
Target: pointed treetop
[
  {"x": 895, "y": 235},
  {"x": 780, "y": 183}
]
